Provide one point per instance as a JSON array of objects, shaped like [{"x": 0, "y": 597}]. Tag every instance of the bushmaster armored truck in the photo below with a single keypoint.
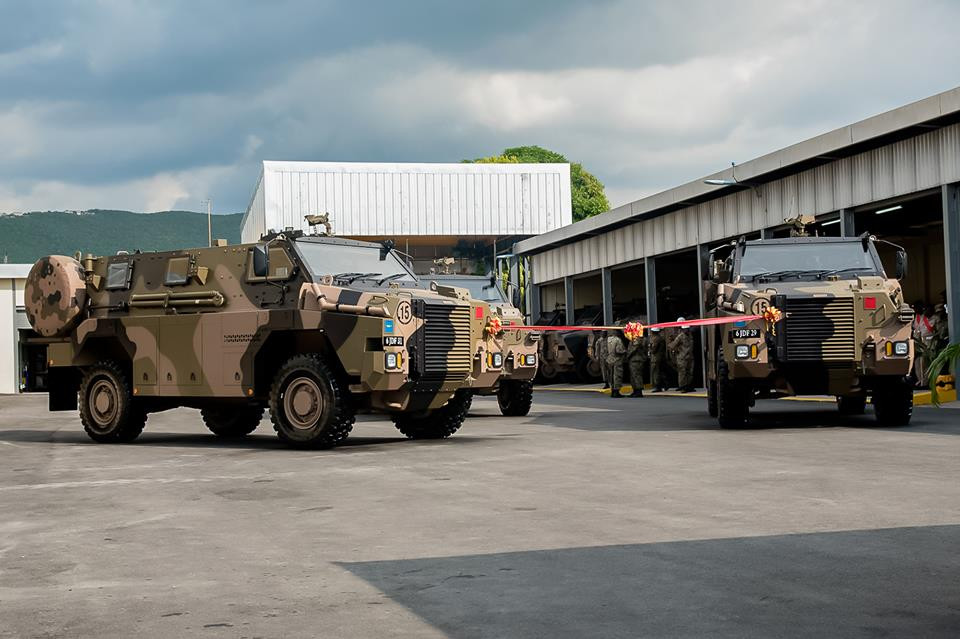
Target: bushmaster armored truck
[
  {"x": 505, "y": 360},
  {"x": 845, "y": 331},
  {"x": 315, "y": 328}
]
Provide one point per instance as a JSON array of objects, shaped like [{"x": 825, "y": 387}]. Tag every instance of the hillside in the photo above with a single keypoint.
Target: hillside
[{"x": 26, "y": 237}]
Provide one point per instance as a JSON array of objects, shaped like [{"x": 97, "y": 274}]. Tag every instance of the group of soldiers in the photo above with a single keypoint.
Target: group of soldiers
[{"x": 654, "y": 348}]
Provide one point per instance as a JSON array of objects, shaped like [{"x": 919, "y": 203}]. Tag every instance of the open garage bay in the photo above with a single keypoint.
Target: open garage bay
[{"x": 590, "y": 517}]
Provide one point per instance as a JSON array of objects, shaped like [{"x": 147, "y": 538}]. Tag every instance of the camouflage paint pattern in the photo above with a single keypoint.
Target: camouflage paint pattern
[
  {"x": 847, "y": 354},
  {"x": 512, "y": 345},
  {"x": 55, "y": 295},
  {"x": 198, "y": 324}
]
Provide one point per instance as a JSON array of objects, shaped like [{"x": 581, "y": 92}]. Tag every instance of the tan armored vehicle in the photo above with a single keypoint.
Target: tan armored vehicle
[
  {"x": 846, "y": 329},
  {"x": 505, "y": 361},
  {"x": 315, "y": 328}
]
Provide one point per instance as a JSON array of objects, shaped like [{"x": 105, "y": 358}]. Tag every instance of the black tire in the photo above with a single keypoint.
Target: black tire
[
  {"x": 547, "y": 372},
  {"x": 893, "y": 402},
  {"x": 108, "y": 411},
  {"x": 712, "y": 398},
  {"x": 439, "y": 423},
  {"x": 515, "y": 397},
  {"x": 852, "y": 404},
  {"x": 232, "y": 422},
  {"x": 733, "y": 399},
  {"x": 588, "y": 371},
  {"x": 309, "y": 406}
]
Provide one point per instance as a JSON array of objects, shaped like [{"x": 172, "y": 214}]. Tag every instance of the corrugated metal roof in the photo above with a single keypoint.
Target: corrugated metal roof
[
  {"x": 914, "y": 118},
  {"x": 14, "y": 271},
  {"x": 406, "y": 199}
]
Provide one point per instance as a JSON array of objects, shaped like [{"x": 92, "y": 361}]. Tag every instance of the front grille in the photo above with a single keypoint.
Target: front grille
[
  {"x": 820, "y": 329},
  {"x": 446, "y": 341}
]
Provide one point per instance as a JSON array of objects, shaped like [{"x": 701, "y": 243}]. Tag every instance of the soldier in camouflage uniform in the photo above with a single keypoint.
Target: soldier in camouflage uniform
[
  {"x": 657, "y": 349},
  {"x": 637, "y": 361},
  {"x": 600, "y": 352},
  {"x": 682, "y": 348},
  {"x": 615, "y": 355}
]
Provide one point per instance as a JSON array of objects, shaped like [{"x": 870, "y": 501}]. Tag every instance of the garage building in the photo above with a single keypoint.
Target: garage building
[{"x": 895, "y": 175}]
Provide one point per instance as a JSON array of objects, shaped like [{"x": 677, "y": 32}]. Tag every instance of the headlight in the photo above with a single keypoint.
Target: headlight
[
  {"x": 743, "y": 351},
  {"x": 495, "y": 360},
  {"x": 530, "y": 360},
  {"x": 901, "y": 348},
  {"x": 393, "y": 361}
]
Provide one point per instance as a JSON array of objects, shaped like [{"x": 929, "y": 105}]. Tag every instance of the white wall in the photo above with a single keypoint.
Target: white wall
[
  {"x": 8, "y": 334},
  {"x": 12, "y": 278},
  {"x": 388, "y": 199}
]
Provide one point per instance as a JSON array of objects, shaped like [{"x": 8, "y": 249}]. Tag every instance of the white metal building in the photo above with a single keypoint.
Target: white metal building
[
  {"x": 394, "y": 200},
  {"x": 898, "y": 171},
  {"x": 13, "y": 320}
]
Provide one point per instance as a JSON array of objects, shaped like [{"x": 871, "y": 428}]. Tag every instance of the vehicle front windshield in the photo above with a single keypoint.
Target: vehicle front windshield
[
  {"x": 796, "y": 261},
  {"x": 353, "y": 262},
  {"x": 480, "y": 288}
]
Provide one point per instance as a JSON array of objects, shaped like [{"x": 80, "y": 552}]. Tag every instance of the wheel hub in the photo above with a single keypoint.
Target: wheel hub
[
  {"x": 303, "y": 403},
  {"x": 103, "y": 402}
]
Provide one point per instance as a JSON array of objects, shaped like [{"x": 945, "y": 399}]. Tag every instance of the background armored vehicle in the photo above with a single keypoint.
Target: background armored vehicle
[
  {"x": 845, "y": 330},
  {"x": 314, "y": 328},
  {"x": 505, "y": 361}
]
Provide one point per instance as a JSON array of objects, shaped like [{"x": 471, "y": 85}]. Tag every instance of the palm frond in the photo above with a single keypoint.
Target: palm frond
[{"x": 946, "y": 361}]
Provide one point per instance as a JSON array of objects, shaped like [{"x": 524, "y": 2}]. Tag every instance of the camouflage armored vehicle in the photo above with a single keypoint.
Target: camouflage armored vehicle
[
  {"x": 315, "y": 328},
  {"x": 505, "y": 361},
  {"x": 845, "y": 331}
]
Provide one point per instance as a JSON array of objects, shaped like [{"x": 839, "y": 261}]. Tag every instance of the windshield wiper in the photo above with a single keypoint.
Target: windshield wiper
[
  {"x": 352, "y": 277},
  {"x": 781, "y": 274},
  {"x": 388, "y": 278},
  {"x": 849, "y": 269}
]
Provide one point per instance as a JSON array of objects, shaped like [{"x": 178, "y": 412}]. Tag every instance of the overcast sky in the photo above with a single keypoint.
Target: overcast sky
[{"x": 156, "y": 105}]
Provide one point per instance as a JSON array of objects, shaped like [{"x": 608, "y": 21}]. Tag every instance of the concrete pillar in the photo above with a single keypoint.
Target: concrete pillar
[
  {"x": 606, "y": 282},
  {"x": 513, "y": 279},
  {"x": 533, "y": 302},
  {"x": 650, "y": 275},
  {"x": 703, "y": 271},
  {"x": 951, "y": 254},
  {"x": 568, "y": 299},
  {"x": 846, "y": 223}
]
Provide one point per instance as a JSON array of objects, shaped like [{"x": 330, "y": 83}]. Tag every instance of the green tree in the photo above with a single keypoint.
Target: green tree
[{"x": 586, "y": 191}]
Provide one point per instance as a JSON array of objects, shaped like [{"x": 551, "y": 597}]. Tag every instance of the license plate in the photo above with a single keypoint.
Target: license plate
[
  {"x": 745, "y": 333},
  {"x": 393, "y": 340}
]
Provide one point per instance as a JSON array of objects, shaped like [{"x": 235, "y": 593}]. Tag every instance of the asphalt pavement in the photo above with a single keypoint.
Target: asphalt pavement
[{"x": 591, "y": 517}]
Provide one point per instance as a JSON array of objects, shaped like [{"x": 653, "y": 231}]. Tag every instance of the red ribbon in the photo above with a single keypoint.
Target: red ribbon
[{"x": 709, "y": 321}]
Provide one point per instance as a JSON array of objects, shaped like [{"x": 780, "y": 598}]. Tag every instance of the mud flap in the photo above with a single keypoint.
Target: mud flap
[{"x": 64, "y": 383}]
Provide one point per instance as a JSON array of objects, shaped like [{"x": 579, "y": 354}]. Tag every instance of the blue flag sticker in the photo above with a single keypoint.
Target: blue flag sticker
[{"x": 388, "y": 326}]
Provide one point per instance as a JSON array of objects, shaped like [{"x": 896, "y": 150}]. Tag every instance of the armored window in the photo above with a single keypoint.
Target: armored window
[
  {"x": 178, "y": 269},
  {"x": 119, "y": 275},
  {"x": 279, "y": 266}
]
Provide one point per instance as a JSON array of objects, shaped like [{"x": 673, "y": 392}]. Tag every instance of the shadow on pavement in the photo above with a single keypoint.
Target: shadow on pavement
[
  {"x": 887, "y": 582},
  {"x": 204, "y": 440}
]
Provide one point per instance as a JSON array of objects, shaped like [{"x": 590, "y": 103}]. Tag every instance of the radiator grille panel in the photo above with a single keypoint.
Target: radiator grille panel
[
  {"x": 446, "y": 344},
  {"x": 820, "y": 329}
]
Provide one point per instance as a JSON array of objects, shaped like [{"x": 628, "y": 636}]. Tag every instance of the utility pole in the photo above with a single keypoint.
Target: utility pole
[{"x": 209, "y": 203}]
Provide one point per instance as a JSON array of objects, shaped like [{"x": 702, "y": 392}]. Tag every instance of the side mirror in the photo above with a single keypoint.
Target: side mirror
[
  {"x": 901, "y": 264},
  {"x": 261, "y": 261},
  {"x": 715, "y": 269}
]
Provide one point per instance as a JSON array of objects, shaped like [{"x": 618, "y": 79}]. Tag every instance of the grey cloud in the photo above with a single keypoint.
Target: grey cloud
[{"x": 102, "y": 95}]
